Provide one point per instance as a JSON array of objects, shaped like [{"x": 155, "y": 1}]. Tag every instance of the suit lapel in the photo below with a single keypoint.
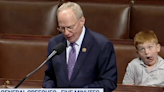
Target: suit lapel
[
  {"x": 63, "y": 61},
  {"x": 84, "y": 50}
]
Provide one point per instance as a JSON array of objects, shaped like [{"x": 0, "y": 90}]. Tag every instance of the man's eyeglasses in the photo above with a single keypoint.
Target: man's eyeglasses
[{"x": 69, "y": 28}]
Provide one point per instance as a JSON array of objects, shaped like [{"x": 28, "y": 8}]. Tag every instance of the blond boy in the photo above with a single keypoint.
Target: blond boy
[{"x": 148, "y": 68}]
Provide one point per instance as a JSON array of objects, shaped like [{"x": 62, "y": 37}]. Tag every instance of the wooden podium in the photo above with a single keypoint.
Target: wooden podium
[
  {"x": 131, "y": 88},
  {"x": 11, "y": 83}
]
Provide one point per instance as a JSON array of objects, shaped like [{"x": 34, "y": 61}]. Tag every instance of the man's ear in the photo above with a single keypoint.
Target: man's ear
[
  {"x": 82, "y": 21},
  {"x": 158, "y": 47}
]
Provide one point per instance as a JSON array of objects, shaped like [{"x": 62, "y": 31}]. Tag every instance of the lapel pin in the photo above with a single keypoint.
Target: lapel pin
[{"x": 84, "y": 50}]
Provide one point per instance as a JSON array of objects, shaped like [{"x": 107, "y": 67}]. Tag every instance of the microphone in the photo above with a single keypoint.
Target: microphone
[{"x": 59, "y": 48}]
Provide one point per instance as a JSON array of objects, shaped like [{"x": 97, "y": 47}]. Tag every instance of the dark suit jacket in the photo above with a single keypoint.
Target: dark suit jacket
[{"x": 95, "y": 68}]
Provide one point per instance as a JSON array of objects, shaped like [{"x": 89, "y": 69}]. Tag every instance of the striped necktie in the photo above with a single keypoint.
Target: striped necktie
[{"x": 71, "y": 60}]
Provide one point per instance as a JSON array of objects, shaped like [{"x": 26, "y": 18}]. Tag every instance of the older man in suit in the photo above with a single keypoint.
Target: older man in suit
[{"x": 88, "y": 61}]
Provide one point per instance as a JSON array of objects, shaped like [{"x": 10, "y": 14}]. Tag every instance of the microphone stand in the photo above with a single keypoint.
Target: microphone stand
[{"x": 48, "y": 58}]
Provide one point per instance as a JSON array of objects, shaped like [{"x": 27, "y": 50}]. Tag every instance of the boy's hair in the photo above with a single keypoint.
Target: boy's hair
[
  {"x": 75, "y": 8},
  {"x": 145, "y": 36}
]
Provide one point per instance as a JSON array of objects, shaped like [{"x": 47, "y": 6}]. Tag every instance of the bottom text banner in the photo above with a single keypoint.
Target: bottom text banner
[{"x": 54, "y": 90}]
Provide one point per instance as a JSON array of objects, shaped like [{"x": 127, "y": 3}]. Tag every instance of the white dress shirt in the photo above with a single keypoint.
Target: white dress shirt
[{"x": 77, "y": 45}]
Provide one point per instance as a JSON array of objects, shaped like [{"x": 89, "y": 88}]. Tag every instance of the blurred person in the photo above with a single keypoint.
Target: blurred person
[
  {"x": 148, "y": 68},
  {"x": 89, "y": 60}
]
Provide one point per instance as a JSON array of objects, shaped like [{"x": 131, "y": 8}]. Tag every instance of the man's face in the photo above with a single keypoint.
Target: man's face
[
  {"x": 70, "y": 25},
  {"x": 148, "y": 52}
]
